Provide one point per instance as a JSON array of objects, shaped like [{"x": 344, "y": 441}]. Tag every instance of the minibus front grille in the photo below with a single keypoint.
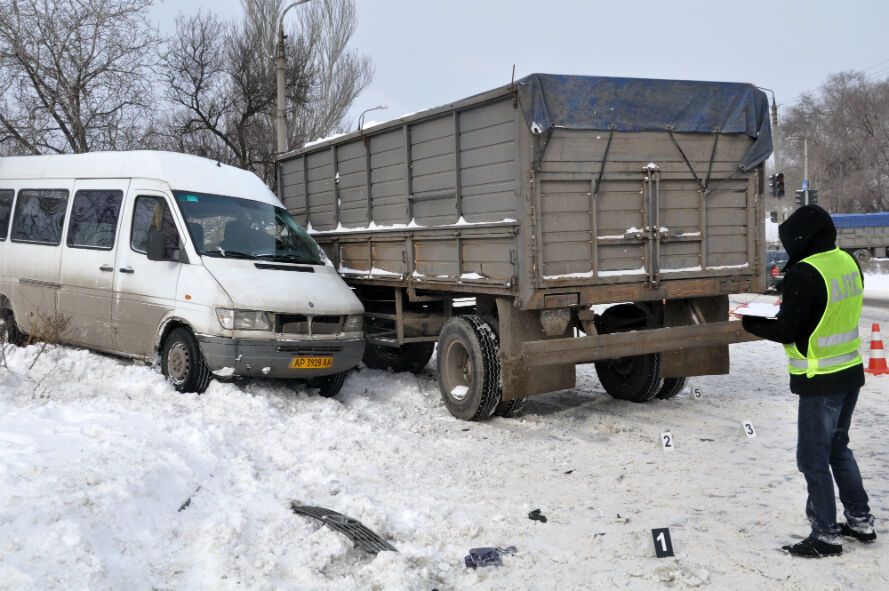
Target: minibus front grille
[
  {"x": 327, "y": 325},
  {"x": 308, "y": 325},
  {"x": 292, "y": 324}
]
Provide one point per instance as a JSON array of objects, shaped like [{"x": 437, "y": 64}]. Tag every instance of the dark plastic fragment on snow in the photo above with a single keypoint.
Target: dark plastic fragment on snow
[
  {"x": 487, "y": 556},
  {"x": 187, "y": 502},
  {"x": 536, "y": 515},
  {"x": 356, "y": 531}
]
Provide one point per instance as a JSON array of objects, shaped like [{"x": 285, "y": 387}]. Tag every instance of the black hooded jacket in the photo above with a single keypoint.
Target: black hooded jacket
[{"x": 809, "y": 230}]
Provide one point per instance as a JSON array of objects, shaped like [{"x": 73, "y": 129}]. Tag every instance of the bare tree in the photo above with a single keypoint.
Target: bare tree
[
  {"x": 846, "y": 124},
  {"x": 75, "y": 74},
  {"x": 221, "y": 79}
]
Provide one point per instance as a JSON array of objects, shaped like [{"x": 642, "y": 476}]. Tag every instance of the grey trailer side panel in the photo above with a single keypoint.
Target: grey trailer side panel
[
  {"x": 320, "y": 183},
  {"x": 432, "y": 169},
  {"x": 293, "y": 187},
  {"x": 351, "y": 181},
  {"x": 389, "y": 188},
  {"x": 489, "y": 163}
]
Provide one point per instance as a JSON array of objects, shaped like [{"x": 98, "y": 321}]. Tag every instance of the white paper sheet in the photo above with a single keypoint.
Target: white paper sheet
[{"x": 762, "y": 310}]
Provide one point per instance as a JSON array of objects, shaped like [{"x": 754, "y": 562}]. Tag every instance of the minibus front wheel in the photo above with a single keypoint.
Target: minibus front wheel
[
  {"x": 14, "y": 335},
  {"x": 183, "y": 363}
]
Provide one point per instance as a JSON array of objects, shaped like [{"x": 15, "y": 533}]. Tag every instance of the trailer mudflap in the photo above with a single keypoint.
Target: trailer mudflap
[{"x": 628, "y": 344}]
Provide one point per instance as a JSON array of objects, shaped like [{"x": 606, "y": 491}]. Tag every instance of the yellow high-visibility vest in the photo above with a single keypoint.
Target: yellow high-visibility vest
[{"x": 833, "y": 345}]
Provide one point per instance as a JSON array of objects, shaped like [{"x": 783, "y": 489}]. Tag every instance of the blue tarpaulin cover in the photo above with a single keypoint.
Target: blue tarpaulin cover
[
  {"x": 860, "y": 220},
  {"x": 636, "y": 104}
]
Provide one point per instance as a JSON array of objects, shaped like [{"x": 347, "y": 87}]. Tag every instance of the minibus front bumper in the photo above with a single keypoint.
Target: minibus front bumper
[{"x": 278, "y": 358}]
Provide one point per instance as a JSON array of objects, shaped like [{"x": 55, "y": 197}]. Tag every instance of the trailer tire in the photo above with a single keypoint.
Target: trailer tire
[
  {"x": 329, "y": 386},
  {"x": 671, "y": 387},
  {"x": 469, "y": 368},
  {"x": 862, "y": 255},
  {"x": 411, "y": 357},
  {"x": 511, "y": 408},
  {"x": 14, "y": 335},
  {"x": 183, "y": 363},
  {"x": 637, "y": 378}
]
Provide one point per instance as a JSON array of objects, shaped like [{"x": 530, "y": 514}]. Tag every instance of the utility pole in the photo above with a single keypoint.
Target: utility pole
[
  {"x": 775, "y": 135},
  {"x": 806, "y": 171},
  {"x": 280, "y": 64}
]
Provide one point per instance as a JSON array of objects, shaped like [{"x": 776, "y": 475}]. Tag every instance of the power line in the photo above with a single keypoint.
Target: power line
[
  {"x": 875, "y": 65},
  {"x": 884, "y": 71}
]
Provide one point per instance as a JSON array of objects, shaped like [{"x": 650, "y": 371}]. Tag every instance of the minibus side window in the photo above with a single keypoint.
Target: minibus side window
[
  {"x": 94, "y": 219},
  {"x": 152, "y": 213},
  {"x": 5, "y": 209},
  {"x": 39, "y": 216}
]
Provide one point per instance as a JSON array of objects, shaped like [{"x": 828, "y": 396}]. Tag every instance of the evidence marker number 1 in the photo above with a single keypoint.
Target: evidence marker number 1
[{"x": 663, "y": 544}]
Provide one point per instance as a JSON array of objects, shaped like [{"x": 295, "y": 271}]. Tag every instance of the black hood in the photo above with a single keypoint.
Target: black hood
[{"x": 809, "y": 230}]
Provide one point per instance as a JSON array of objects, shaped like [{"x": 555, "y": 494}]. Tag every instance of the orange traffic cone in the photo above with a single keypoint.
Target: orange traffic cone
[{"x": 877, "y": 363}]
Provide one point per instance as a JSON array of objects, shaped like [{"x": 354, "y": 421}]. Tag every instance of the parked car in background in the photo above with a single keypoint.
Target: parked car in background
[{"x": 775, "y": 261}]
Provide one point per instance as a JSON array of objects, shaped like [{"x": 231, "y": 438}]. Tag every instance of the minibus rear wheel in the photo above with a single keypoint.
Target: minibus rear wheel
[
  {"x": 14, "y": 335},
  {"x": 183, "y": 363}
]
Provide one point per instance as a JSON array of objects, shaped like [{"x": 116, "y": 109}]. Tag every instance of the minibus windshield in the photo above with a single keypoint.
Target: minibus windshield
[{"x": 229, "y": 227}]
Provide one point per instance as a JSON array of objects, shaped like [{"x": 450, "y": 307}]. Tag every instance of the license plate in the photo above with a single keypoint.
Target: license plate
[{"x": 311, "y": 362}]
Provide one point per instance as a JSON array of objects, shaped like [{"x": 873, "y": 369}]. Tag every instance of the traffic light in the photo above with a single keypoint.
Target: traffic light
[
  {"x": 773, "y": 184},
  {"x": 801, "y": 197},
  {"x": 779, "y": 184}
]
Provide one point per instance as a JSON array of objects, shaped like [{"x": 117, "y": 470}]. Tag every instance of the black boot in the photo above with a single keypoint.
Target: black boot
[
  {"x": 847, "y": 531},
  {"x": 812, "y": 548}
]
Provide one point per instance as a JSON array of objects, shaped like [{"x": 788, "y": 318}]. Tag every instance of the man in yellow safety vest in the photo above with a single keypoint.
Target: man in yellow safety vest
[{"x": 821, "y": 304}]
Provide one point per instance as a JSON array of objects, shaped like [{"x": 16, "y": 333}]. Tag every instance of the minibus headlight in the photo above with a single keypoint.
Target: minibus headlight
[
  {"x": 226, "y": 317},
  {"x": 354, "y": 323},
  {"x": 243, "y": 319}
]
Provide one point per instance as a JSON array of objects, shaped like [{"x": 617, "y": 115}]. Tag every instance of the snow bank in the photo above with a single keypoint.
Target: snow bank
[
  {"x": 876, "y": 285},
  {"x": 109, "y": 479}
]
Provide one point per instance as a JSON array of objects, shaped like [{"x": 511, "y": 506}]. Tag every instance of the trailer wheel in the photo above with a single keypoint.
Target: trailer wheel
[
  {"x": 329, "y": 386},
  {"x": 637, "y": 378},
  {"x": 671, "y": 387},
  {"x": 14, "y": 335},
  {"x": 183, "y": 363},
  {"x": 863, "y": 256},
  {"x": 412, "y": 357},
  {"x": 469, "y": 368}
]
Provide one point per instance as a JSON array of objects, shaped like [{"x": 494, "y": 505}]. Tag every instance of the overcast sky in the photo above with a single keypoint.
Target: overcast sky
[{"x": 430, "y": 52}]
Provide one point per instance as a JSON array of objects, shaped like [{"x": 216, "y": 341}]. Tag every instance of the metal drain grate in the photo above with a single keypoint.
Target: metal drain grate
[{"x": 356, "y": 531}]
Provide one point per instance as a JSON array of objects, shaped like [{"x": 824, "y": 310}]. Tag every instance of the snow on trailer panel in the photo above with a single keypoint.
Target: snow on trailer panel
[{"x": 557, "y": 182}]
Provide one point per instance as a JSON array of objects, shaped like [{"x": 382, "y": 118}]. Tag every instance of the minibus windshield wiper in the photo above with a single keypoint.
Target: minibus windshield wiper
[
  {"x": 229, "y": 254},
  {"x": 289, "y": 258}
]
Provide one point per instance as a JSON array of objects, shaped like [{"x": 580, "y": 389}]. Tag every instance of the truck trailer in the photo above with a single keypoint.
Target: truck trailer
[
  {"x": 863, "y": 235},
  {"x": 555, "y": 221}
]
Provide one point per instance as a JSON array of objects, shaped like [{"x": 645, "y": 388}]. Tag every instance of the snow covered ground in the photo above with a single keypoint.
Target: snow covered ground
[{"x": 109, "y": 479}]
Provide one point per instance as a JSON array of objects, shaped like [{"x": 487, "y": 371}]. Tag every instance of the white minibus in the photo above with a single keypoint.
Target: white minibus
[{"x": 146, "y": 254}]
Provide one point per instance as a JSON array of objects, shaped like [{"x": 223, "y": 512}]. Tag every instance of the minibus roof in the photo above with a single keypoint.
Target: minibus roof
[{"x": 182, "y": 172}]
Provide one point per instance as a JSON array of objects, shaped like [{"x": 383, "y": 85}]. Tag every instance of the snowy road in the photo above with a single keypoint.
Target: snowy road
[{"x": 99, "y": 457}]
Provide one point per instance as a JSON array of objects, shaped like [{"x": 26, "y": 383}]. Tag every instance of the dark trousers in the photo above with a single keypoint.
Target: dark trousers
[{"x": 822, "y": 447}]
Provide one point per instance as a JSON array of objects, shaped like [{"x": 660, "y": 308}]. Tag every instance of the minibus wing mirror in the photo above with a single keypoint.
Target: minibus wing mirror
[{"x": 157, "y": 246}]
